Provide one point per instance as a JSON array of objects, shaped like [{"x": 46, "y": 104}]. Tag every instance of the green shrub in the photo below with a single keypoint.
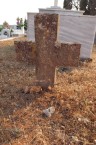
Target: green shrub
[{"x": 1, "y": 28}]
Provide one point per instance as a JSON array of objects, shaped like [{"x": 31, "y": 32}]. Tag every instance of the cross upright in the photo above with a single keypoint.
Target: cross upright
[{"x": 50, "y": 52}]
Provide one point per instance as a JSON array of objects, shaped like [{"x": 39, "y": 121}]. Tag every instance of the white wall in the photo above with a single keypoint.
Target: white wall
[
  {"x": 75, "y": 28},
  {"x": 78, "y": 29},
  {"x": 30, "y": 26}
]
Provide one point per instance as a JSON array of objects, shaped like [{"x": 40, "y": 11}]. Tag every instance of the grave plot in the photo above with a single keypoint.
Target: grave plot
[
  {"x": 49, "y": 52},
  {"x": 73, "y": 120},
  {"x": 46, "y": 50}
]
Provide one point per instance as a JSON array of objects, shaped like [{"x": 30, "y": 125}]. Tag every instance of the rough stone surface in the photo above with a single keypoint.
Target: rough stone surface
[
  {"x": 66, "y": 54},
  {"x": 25, "y": 51},
  {"x": 50, "y": 53},
  {"x": 48, "y": 112}
]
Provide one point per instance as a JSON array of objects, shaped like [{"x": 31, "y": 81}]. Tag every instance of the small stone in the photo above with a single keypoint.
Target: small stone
[
  {"x": 0, "y": 91},
  {"x": 86, "y": 120},
  {"x": 68, "y": 106},
  {"x": 50, "y": 88},
  {"x": 90, "y": 102},
  {"x": 61, "y": 102},
  {"x": 26, "y": 90},
  {"x": 48, "y": 112},
  {"x": 35, "y": 89},
  {"x": 79, "y": 119},
  {"x": 75, "y": 138}
]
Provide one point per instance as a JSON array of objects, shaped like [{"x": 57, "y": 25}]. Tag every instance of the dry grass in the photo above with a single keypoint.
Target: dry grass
[{"x": 74, "y": 99}]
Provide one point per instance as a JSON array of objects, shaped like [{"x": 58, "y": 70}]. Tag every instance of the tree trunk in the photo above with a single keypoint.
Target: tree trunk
[
  {"x": 67, "y": 4},
  {"x": 83, "y": 4},
  {"x": 92, "y": 7}
]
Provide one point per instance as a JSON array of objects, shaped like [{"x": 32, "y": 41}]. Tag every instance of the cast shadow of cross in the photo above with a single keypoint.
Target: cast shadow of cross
[{"x": 51, "y": 53}]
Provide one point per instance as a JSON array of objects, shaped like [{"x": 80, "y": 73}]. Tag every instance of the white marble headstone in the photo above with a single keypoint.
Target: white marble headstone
[
  {"x": 30, "y": 26},
  {"x": 79, "y": 29},
  {"x": 73, "y": 27}
]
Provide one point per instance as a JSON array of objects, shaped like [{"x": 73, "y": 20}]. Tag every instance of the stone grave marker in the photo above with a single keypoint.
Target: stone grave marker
[
  {"x": 50, "y": 52},
  {"x": 25, "y": 51}
]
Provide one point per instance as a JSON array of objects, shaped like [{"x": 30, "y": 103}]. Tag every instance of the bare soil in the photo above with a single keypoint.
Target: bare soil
[{"x": 22, "y": 121}]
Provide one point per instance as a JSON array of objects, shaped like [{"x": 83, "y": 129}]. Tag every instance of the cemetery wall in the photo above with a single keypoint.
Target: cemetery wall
[
  {"x": 80, "y": 29},
  {"x": 72, "y": 28}
]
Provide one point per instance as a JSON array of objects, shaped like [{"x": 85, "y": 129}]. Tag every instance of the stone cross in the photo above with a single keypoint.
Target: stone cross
[
  {"x": 55, "y": 3},
  {"x": 51, "y": 53}
]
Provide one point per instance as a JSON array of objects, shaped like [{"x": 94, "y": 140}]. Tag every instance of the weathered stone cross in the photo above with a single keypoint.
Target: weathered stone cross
[{"x": 50, "y": 53}]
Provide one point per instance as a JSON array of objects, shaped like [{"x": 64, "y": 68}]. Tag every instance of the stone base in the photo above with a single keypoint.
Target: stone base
[{"x": 54, "y": 7}]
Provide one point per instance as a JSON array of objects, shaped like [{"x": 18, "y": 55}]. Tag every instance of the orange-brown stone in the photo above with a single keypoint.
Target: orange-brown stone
[
  {"x": 51, "y": 53},
  {"x": 25, "y": 51}
]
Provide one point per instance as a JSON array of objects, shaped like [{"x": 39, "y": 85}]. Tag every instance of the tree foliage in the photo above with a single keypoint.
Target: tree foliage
[
  {"x": 19, "y": 23},
  {"x": 92, "y": 7},
  {"x": 67, "y": 4},
  {"x": 83, "y": 4},
  {"x": 6, "y": 25},
  {"x": 89, "y": 6},
  {"x": 1, "y": 27},
  {"x": 25, "y": 24}
]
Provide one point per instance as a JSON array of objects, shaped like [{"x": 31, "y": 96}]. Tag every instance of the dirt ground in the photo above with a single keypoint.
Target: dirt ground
[{"x": 22, "y": 121}]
